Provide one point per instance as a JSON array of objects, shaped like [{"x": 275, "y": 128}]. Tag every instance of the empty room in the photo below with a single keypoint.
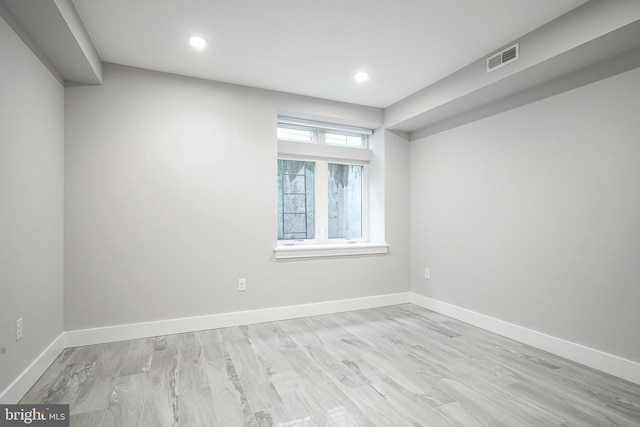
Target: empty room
[{"x": 332, "y": 213}]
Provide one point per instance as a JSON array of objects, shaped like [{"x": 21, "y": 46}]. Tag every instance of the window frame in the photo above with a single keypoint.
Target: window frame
[
  {"x": 321, "y": 203},
  {"x": 322, "y": 154},
  {"x": 321, "y": 129}
]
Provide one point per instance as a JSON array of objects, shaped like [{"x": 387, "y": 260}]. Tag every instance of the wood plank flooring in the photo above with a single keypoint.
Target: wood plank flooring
[{"x": 393, "y": 366}]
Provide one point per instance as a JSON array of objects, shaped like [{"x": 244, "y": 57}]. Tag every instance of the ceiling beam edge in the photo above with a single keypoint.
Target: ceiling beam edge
[
  {"x": 26, "y": 39},
  {"x": 549, "y": 50},
  {"x": 84, "y": 43}
]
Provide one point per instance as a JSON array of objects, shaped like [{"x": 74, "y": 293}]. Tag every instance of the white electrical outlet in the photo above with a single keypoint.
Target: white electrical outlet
[
  {"x": 242, "y": 285},
  {"x": 427, "y": 273},
  {"x": 19, "y": 329}
]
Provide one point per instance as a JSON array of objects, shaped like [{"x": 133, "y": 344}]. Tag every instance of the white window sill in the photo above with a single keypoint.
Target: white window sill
[{"x": 340, "y": 250}]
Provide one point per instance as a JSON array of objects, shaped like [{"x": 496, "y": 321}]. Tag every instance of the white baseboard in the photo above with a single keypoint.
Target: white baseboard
[
  {"x": 614, "y": 365},
  {"x": 17, "y": 389},
  {"x": 29, "y": 376},
  {"x": 189, "y": 324},
  {"x": 604, "y": 362}
]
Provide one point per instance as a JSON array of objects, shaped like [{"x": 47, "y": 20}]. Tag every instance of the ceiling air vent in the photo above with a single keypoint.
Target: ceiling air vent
[{"x": 510, "y": 54}]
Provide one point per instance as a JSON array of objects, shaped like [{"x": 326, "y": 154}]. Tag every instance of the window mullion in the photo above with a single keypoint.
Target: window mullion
[{"x": 322, "y": 137}]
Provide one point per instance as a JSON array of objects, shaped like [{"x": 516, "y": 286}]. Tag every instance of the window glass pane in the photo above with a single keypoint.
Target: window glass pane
[
  {"x": 352, "y": 140},
  {"x": 356, "y": 141},
  {"x": 298, "y": 134},
  {"x": 296, "y": 200},
  {"x": 336, "y": 139},
  {"x": 345, "y": 201}
]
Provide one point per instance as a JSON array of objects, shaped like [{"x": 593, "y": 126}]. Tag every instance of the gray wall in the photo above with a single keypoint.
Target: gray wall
[
  {"x": 532, "y": 216},
  {"x": 170, "y": 197},
  {"x": 31, "y": 205}
]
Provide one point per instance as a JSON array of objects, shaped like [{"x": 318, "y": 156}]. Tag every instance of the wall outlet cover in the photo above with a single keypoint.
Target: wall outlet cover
[{"x": 19, "y": 329}]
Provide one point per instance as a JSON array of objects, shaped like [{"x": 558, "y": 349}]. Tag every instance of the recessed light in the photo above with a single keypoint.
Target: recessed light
[
  {"x": 361, "y": 76},
  {"x": 197, "y": 42}
]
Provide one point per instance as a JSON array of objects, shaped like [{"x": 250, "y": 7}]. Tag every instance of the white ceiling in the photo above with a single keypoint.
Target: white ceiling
[{"x": 313, "y": 47}]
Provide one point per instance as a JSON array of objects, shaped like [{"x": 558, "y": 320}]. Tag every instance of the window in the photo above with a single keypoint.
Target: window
[
  {"x": 344, "y": 138},
  {"x": 291, "y": 130},
  {"x": 323, "y": 190},
  {"x": 297, "y": 133},
  {"x": 341, "y": 192}
]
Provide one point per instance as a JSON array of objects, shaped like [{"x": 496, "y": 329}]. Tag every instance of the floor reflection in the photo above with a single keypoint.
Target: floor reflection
[{"x": 336, "y": 417}]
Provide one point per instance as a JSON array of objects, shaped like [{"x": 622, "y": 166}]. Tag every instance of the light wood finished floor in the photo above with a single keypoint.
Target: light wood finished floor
[{"x": 393, "y": 366}]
